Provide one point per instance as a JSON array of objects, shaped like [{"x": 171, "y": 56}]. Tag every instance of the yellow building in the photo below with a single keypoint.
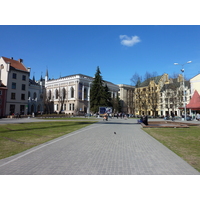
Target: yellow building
[
  {"x": 147, "y": 96},
  {"x": 195, "y": 84}
]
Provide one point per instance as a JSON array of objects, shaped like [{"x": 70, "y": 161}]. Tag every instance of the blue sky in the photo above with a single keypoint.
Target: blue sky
[{"x": 119, "y": 50}]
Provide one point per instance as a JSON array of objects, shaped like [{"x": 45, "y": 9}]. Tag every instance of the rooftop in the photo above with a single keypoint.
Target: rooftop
[{"x": 17, "y": 64}]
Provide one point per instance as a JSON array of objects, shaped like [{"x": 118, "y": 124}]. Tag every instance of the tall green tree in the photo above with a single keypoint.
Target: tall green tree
[
  {"x": 107, "y": 97},
  {"x": 99, "y": 94}
]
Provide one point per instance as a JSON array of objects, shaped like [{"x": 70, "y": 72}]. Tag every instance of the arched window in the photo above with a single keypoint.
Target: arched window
[
  {"x": 56, "y": 94},
  {"x": 72, "y": 92},
  {"x": 63, "y": 93},
  {"x": 85, "y": 94}
]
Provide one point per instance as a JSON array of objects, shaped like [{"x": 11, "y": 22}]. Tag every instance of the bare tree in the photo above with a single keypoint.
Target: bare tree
[
  {"x": 136, "y": 80},
  {"x": 62, "y": 97}
]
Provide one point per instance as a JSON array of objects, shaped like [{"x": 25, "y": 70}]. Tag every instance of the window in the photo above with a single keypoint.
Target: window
[
  {"x": 0, "y": 92},
  {"x": 70, "y": 106},
  {"x": 34, "y": 95},
  {"x": 23, "y": 77},
  {"x": 23, "y": 87},
  {"x": 22, "y": 96},
  {"x": 49, "y": 94},
  {"x": 12, "y": 109},
  {"x": 12, "y": 95},
  {"x": 14, "y": 76},
  {"x": 13, "y": 85},
  {"x": 85, "y": 94},
  {"x": 64, "y": 106},
  {"x": 63, "y": 93},
  {"x": 22, "y": 109},
  {"x": 56, "y": 94},
  {"x": 0, "y": 101},
  {"x": 72, "y": 92}
]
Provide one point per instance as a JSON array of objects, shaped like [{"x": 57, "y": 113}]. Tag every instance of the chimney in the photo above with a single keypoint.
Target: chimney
[
  {"x": 11, "y": 58},
  {"x": 20, "y": 60}
]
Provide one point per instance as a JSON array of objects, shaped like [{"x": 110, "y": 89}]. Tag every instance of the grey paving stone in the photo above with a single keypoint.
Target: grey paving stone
[{"x": 96, "y": 150}]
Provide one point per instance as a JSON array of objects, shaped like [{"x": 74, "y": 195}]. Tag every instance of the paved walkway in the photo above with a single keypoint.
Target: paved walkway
[{"x": 96, "y": 150}]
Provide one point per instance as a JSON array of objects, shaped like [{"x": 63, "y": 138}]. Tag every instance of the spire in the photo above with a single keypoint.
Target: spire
[
  {"x": 47, "y": 75},
  {"x": 41, "y": 77},
  {"x": 34, "y": 76}
]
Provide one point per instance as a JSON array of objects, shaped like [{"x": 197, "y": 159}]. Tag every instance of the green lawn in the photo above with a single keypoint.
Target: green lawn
[
  {"x": 185, "y": 142},
  {"x": 15, "y": 138}
]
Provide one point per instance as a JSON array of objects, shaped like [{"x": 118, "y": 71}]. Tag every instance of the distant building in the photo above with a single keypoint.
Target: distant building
[
  {"x": 126, "y": 95},
  {"x": 156, "y": 96},
  {"x": 147, "y": 96},
  {"x": 15, "y": 76},
  {"x": 172, "y": 96},
  {"x": 71, "y": 94},
  {"x": 36, "y": 93}
]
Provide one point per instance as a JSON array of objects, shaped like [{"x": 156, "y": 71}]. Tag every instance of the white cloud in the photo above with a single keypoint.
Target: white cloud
[{"x": 129, "y": 41}]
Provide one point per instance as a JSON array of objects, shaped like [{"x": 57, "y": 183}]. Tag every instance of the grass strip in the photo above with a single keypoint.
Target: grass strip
[
  {"x": 15, "y": 138},
  {"x": 185, "y": 142}
]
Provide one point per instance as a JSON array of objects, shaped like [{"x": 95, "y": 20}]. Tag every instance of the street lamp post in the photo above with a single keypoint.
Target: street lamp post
[{"x": 184, "y": 100}]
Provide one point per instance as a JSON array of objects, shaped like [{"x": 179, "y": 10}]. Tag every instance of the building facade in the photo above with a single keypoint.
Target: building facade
[
  {"x": 195, "y": 84},
  {"x": 36, "y": 94},
  {"x": 71, "y": 94},
  {"x": 15, "y": 76},
  {"x": 172, "y": 96},
  {"x": 126, "y": 96},
  {"x": 157, "y": 96},
  {"x": 147, "y": 96}
]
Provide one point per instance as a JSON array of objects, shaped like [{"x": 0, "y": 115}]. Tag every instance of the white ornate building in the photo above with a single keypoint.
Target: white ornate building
[{"x": 71, "y": 94}]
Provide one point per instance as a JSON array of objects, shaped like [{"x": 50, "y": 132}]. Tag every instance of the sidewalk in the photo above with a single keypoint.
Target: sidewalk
[{"x": 96, "y": 150}]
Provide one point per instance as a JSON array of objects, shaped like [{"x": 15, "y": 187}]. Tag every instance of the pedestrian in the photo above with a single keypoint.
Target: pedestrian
[
  {"x": 198, "y": 117},
  {"x": 105, "y": 117},
  {"x": 145, "y": 121}
]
